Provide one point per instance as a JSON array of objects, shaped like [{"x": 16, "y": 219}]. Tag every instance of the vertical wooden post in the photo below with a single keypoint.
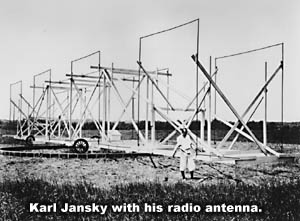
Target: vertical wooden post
[
  {"x": 10, "y": 98},
  {"x": 202, "y": 118},
  {"x": 59, "y": 126},
  {"x": 104, "y": 107},
  {"x": 139, "y": 91},
  {"x": 197, "y": 76},
  {"x": 33, "y": 98},
  {"x": 147, "y": 110},
  {"x": 33, "y": 103},
  {"x": 266, "y": 106},
  {"x": 215, "y": 110},
  {"x": 85, "y": 103},
  {"x": 19, "y": 118},
  {"x": 202, "y": 125},
  {"x": 28, "y": 119},
  {"x": 282, "y": 80},
  {"x": 82, "y": 104},
  {"x": 47, "y": 112},
  {"x": 21, "y": 92},
  {"x": 67, "y": 115},
  {"x": 109, "y": 98},
  {"x": 99, "y": 92},
  {"x": 168, "y": 89},
  {"x": 153, "y": 115},
  {"x": 49, "y": 103},
  {"x": 209, "y": 109},
  {"x": 53, "y": 109},
  {"x": 70, "y": 102},
  {"x": 132, "y": 105}
]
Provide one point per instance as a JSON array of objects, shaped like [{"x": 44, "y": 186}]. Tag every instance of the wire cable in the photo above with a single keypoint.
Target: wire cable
[{"x": 249, "y": 51}]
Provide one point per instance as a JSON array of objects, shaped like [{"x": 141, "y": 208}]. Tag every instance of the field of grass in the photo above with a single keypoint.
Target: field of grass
[
  {"x": 275, "y": 189},
  {"x": 278, "y": 200}
]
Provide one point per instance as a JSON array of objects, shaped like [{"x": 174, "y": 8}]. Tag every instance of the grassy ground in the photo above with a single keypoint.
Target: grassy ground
[
  {"x": 278, "y": 200},
  {"x": 275, "y": 189}
]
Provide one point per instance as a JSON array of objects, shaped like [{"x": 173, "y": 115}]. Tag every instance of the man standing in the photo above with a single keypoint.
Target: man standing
[{"x": 187, "y": 153}]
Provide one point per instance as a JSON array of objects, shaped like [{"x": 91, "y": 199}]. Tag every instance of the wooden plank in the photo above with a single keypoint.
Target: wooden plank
[
  {"x": 131, "y": 71},
  {"x": 266, "y": 159}
]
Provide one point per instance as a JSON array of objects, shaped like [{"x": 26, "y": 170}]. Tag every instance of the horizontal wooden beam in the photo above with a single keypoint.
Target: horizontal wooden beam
[
  {"x": 131, "y": 80},
  {"x": 265, "y": 159},
  {"x": 68, "y": 83},
  {"x": 82, "y": 76},
  {"x": 130, "y": 71},
  {"x": 177, "y": 109}
]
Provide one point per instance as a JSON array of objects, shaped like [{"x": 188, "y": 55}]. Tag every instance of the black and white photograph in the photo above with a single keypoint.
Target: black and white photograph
[{"x": 149, "y": 110}]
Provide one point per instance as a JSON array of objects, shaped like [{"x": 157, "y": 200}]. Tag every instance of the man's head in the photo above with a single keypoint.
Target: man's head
[{"x": 184, "y": 132}]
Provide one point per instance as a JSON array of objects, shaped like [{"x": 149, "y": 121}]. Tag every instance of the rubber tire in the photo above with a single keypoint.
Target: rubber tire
[
  {"x": 81, "y": 145},
  {"x": 29, "y": 140}
]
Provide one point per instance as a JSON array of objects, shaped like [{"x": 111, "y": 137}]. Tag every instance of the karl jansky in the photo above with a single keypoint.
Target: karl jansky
[{"x": 52, "y": 208}]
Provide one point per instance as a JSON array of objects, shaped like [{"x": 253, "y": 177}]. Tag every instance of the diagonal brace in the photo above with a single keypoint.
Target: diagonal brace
[{"x": 222, "y": 95}]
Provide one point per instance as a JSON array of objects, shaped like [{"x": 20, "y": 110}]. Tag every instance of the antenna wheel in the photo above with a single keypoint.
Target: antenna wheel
[{"x": 81, "y": 145}]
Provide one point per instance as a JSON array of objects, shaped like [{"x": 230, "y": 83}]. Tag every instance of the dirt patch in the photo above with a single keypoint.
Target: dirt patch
[{"x": 109, "y": 172}]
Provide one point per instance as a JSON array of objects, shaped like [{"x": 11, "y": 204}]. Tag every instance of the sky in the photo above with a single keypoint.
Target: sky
[{"x": 37, "y": 35}]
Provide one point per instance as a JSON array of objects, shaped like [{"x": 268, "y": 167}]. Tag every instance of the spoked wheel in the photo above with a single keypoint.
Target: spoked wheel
[
  {"x": 29, "y": 140},
  {"x": 81, "y": 146}
]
